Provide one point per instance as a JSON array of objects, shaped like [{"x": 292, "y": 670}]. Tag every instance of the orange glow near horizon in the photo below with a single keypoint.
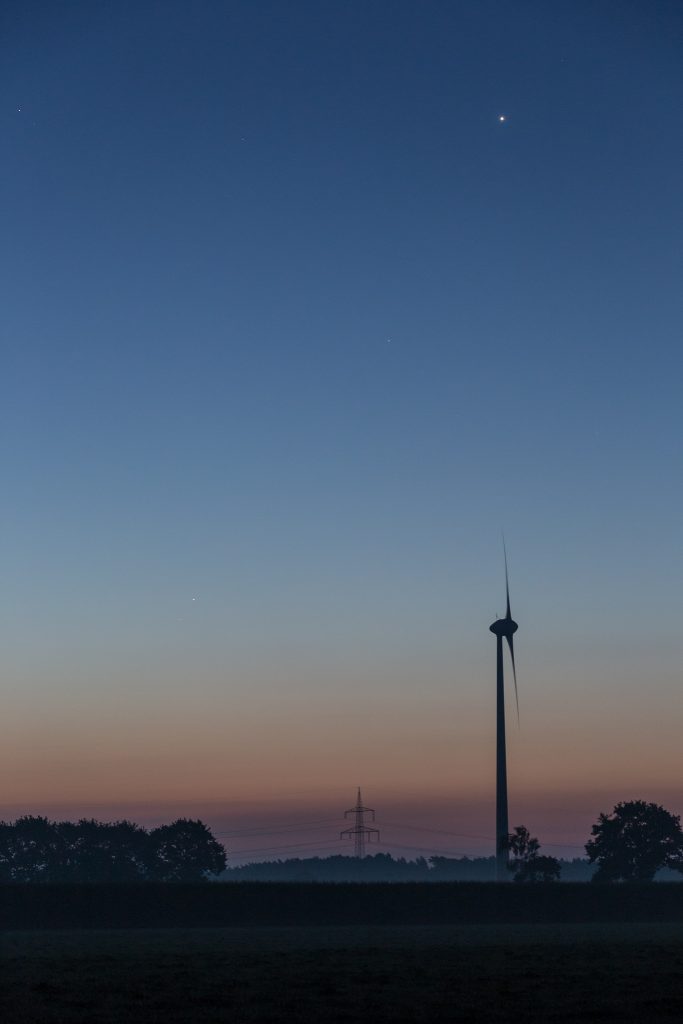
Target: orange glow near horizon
[{"x": 424, "y": 762}]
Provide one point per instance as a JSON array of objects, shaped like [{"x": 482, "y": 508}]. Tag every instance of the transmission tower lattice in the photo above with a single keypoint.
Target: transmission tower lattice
[{"x": 361, "y": 832}]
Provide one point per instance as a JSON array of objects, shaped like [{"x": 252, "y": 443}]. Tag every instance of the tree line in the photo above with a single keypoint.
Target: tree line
[
  {"x": 34, "y": 849},
  {"x": 634, "y": 843},
  {"x": 382, "y": 867}
]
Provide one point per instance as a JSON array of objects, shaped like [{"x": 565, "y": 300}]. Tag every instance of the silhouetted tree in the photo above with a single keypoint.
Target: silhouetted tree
[
  {"x": 184, "y": 851},
  {"x": 5, "y": 851},
  {"x": 633, "y": 842},
  {"x": 30, "y": 851},
  {"x": 33, "y": 849},
  {"x": 527, "y": 863},
  {"x": 96, "y": 851}
]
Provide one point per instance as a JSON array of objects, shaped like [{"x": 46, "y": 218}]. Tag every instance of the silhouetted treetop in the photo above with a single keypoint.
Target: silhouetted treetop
[
  {"x": 528, "y": 864},
  {"x": 33, "y": 849},
  {"x": 634, "y": 842},
  {"x": 95, "y": 851},
  {"x": 184, "y": 851}
]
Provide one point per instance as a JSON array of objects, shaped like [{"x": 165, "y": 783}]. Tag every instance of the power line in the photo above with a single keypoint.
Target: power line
[
  {"x": 275, "y": 832},
  {"x": 463, "y": 835},
  {"x": 320, "y": 824},
  {"x": 424, "y": 849},
  {"x": 284, "y": 826},
  {"x": 289, "y": 846},
  {"x": 437, "y": 831}
]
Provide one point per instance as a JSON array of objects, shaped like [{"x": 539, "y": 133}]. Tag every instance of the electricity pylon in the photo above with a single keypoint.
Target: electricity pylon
[{"x": 360, "y": 831}]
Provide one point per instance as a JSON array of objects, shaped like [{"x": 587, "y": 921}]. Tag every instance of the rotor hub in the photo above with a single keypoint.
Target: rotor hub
[{"x": 504, "y": 627}]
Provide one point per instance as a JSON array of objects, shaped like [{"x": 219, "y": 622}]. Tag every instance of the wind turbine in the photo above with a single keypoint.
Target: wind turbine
[{"x": 503, "y": 629}]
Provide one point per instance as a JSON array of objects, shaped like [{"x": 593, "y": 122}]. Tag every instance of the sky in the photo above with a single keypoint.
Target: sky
[{"x": 303, "y": 305}]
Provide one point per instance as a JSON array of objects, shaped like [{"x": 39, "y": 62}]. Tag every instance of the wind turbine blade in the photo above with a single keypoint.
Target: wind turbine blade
[
  {"x": 507, "y": 585},
  {"x": 514, "y": 671}
]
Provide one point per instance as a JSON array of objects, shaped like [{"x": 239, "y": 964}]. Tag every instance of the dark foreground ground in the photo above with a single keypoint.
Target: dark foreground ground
[
  {"x": 267, "y": 904},
  {"x": 492, "y": 972}
]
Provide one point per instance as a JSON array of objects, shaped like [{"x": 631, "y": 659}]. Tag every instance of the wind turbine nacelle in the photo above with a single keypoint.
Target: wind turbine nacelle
[{"x": 503, "y": 627}]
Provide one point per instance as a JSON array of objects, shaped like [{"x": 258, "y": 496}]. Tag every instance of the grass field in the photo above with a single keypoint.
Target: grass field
[
  {"x": 278, "y": 904},
  {"x": 528, "y": 973}
]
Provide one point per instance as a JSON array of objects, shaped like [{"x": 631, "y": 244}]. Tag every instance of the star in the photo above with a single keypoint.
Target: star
[{"x": 502, "y": 117}]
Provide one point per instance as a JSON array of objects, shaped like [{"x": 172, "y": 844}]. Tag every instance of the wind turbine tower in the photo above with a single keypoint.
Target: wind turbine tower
[{"x": 504, "y": 629}]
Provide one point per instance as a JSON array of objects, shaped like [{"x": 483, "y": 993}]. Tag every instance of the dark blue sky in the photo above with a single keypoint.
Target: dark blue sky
[{"x": 294, "y": 324}]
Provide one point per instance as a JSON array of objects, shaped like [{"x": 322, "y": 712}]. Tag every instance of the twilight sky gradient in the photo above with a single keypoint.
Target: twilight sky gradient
[{"x": 293, "y": 325}]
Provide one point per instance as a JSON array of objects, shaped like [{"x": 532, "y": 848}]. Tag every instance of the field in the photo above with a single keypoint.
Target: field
[
  {"x": 531, "y": 973},
  {"x": 340, "y": 953},
  {"x": 152, "y": 905}
]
